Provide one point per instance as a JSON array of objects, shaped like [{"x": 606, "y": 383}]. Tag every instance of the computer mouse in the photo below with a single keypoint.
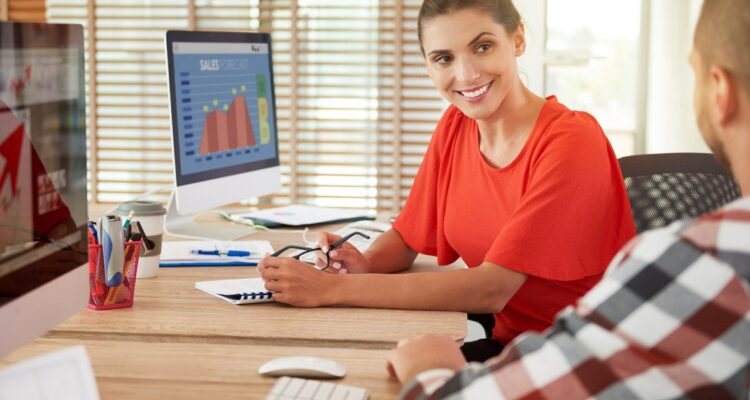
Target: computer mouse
[{"x": 303, "y": 367}]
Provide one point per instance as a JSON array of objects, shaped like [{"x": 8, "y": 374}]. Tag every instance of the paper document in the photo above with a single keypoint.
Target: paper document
[
  {"x": 213, "y": 253},
  {"x": 237, "y": 291},
  {"x": 61, "y": 375},
  {"x": 299, "y": 215}
]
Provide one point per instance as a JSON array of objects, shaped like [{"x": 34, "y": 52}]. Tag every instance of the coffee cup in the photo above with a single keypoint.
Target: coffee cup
[{"x": 149, "y": 216}]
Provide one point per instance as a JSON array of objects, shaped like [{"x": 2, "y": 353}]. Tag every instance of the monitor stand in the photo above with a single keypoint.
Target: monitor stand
[{"x": 180, "y": 225}]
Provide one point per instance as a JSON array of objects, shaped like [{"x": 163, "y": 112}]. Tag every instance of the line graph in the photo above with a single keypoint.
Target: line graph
[{"x": 224, "y": 111}]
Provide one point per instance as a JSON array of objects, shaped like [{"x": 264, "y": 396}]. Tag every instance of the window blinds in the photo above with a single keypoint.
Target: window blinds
[
  {"x": 22, "y": 10},
  {"x": 355, "y": 107}
]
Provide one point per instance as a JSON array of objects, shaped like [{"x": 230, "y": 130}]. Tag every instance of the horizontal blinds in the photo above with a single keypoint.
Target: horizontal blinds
[
  {"x": 22, "y": 10},
  {"x": 355, "y": 108}
]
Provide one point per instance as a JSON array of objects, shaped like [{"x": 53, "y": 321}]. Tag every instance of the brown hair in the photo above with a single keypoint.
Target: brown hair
[
  {"x": 503, "y": 12},
  {"x": 722, "y": 37}
]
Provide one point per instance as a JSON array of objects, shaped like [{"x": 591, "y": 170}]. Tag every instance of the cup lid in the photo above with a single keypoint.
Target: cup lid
[{"x": 142, "y": 208}]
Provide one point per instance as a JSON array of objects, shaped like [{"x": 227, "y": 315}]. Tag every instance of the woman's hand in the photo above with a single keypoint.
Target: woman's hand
[
  {"x": 296, "y": 283},
  {"x": 343, "y": 259},
  {"x": 413, "y": 356}
]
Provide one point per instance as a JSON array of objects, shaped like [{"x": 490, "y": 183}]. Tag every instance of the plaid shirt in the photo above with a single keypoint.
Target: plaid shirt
[{"x": 670, "y": 319}]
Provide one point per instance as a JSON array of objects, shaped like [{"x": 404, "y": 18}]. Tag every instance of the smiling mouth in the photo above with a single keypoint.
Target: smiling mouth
[{"x": 475, "y": 92}]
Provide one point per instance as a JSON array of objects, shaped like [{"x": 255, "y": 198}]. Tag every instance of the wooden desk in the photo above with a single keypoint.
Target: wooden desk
[
  {"x": 169, "y": 309},
  {"x": 136, "y": 370},
  {"x": 178, "y": 342}
]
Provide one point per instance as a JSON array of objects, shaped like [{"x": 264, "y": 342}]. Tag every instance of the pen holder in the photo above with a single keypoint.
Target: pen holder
[{"x": 103, "y": 297}]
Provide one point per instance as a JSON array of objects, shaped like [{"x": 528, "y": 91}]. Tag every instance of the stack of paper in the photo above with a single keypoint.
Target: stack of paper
[
  {"x": 300, "y": 215},
  {"x": 215, "y": 253}
]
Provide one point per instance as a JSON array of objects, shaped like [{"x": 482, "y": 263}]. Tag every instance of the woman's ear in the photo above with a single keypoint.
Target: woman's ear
[{"x": 519, "y": 39}]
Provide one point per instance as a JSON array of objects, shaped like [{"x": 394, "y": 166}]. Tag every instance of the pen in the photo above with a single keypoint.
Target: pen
[
  {"x": 126, "y": 224},
  {"x": 230, "y": 253},
  {"x": 92, "y": 229},
  {"x": 147, "y": 243}
]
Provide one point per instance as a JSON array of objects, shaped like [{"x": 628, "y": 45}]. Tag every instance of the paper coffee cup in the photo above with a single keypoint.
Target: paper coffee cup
[{"x": 151, "y": 216}]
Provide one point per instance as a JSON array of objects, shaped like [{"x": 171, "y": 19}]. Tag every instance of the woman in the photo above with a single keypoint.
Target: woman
[{"x": 528, "y": 193}]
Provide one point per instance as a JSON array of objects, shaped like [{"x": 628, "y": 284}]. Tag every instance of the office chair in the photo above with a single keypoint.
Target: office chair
[
  {"x": 664, "y": 188},
  {"x": 668, "y": 187}
]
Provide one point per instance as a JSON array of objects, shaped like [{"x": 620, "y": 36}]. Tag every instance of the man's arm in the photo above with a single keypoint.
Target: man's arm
[{"x": 671, "y": 321}]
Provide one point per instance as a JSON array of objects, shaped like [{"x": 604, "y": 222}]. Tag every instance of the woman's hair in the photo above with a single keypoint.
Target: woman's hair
[{"x": 502, "y": 11}]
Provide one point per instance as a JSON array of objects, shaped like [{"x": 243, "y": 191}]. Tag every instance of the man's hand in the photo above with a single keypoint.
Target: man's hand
[{"x": 413, "y": 356}]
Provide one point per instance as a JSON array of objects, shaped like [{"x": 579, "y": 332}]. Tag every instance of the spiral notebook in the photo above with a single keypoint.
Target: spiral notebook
[{"x": 237, "y": 291}]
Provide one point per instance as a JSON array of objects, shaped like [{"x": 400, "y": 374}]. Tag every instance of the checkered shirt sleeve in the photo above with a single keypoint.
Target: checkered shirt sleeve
[{"x": 670, "y": 319}]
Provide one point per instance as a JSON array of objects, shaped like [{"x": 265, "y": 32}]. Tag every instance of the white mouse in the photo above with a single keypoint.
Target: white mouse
[{"x": 303, "y": 367}]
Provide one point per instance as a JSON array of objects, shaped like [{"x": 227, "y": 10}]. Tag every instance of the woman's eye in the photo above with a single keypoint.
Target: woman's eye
[
  {"x": 484, "y": 47},
  {"x": 442, "y": 59}
]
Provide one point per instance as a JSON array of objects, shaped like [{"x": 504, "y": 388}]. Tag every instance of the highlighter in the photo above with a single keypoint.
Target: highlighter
[{"x": 110, "y": 232}]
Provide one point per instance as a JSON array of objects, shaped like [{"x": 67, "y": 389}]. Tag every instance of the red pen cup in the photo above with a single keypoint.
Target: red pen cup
[{"x": 103, "y": 297}]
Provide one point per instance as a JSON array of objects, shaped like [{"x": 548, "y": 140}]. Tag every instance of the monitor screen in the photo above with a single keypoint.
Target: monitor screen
[
  {"x": 43, "y": 205},
  {"x": 224, "y": 116},
  {"x": 224, "y": 134}
]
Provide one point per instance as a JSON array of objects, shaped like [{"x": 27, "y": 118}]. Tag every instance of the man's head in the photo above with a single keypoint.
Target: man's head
[{"x": 721, "y": 62}]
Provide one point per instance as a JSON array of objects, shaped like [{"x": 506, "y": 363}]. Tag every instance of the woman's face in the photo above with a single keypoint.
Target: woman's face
[{"x": 471, "y": 60}]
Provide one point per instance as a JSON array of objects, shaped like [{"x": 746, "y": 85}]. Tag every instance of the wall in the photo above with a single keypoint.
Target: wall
[{"x": 670, "y": 120}]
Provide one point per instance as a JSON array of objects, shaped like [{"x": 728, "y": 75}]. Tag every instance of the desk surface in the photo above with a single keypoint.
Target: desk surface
[
  {"x": 169, "y": 308},
  {"x": 178, "y": 342},
  {"x": 133, "y": 370}
]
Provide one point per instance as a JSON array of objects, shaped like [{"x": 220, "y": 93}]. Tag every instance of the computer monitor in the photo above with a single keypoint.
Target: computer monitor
[
  {"x": 224, "y": 135},
  {"x": 43, "y": 206}
]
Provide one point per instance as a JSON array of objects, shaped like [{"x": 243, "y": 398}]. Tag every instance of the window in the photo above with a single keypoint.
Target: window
[
  {"x": 355, "y": 107},
  {"x": 594, "y": 61}
]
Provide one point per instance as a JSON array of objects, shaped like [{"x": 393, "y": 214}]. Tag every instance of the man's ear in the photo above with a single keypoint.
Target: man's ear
[
  {"x": 519, "y": 38},
  {"x": 725, "y": 101}
]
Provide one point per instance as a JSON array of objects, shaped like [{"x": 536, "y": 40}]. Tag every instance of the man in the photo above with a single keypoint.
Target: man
[{"x": 671, "y": 318}]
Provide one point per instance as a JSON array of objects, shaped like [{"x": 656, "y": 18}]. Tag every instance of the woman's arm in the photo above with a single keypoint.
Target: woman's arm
[
  {"x": 389, "y": 253},
  {"x": 484, "y": 289}
]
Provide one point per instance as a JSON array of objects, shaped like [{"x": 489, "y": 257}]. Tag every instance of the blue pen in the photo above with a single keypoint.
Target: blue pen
[
  {"x": 92, "y": 229},
  {"x": 230, "y": 253}
]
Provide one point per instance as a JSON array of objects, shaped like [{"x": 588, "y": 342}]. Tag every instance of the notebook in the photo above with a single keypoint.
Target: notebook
[
  {"x": 182, "y": 253},
  {"x": 237, "y": 291}
]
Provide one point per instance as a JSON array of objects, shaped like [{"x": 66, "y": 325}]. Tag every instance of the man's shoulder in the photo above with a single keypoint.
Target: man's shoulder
[{"x": 723, "y": 235}]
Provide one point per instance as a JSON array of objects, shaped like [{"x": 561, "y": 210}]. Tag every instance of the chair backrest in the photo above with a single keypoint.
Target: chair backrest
[{"x": 664, "y": 188}]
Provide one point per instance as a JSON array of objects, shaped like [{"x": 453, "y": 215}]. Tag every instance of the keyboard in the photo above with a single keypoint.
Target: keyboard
[
  {"x": 369, "y": 228},
  {"x": 287, "y": 388}
]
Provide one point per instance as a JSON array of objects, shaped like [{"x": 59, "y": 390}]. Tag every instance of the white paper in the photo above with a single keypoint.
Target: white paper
[
  {"x": 174, "y": 251},
  {"x": 300, "y": 215},
  {"x": 60, "y": 375},
  {"x": 233, "y": 286}
]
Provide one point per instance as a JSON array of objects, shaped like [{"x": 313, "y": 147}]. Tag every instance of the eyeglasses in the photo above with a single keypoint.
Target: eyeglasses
[{"x": 307, "y": 250}]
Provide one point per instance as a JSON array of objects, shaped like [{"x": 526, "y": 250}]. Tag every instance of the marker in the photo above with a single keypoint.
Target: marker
[
  {"x": 112, "y": 248},
  {"x": 127, "y": 220}
]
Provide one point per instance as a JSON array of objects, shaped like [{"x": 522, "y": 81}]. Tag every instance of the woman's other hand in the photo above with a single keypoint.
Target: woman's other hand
[{"x": 343, "y": 259}]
